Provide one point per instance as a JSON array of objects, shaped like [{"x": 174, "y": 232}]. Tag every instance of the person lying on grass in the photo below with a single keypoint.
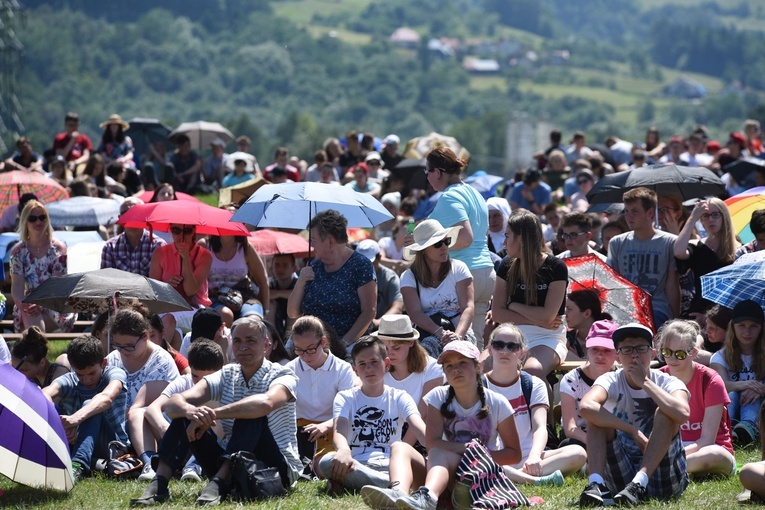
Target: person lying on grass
[{"x": 636, "y": 412}]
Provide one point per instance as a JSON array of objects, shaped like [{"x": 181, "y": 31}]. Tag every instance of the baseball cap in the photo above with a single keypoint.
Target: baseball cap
[
  {"x": 601, "y": 333},
  {"x": 391, "y": 139},
  {"x": 633, "y": 329},
  {"x": 748, "y": 310},
  {"x": 369, "y": 248},
  {"x": 463, "y": 347}
]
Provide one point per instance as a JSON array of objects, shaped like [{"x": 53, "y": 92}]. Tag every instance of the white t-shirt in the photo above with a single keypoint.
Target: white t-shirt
[
  {"x": 444, "y": 297},
  {"x": 567, "y": 254},
  {"x": 159, "y": 367},
  {"x": 466, "y": 425},
  {"x": 747, "y": 373},
  {"x": 374, "y": 423},
  {"x": 388, "y": 245},
  {"x": 522, "y": 414},
  {"x": 414, "y": 383},
  {"x": 180, "y": 385},
  {"x": 186, "y": 343},
  {"x": 574, "y": 385},
  {"x": 316, "y": 389}
]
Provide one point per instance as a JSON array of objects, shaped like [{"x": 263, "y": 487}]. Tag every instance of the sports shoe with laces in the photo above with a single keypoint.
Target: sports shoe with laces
[
  {"x": 418, "y": 500},
  {"x": 155, "y": 494},
  {"x": 596, "y": 494},
  {"x": 381, "y": 499},
  {"x": 147, "y": 474},
  {"x": 632, "y": 495},
  {"x": 192, "y": 473}
]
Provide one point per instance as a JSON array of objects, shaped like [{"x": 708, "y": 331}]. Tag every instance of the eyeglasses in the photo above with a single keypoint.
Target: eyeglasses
[
  {"x": 445, "y": 240},
  {"x": 571, "y": 236},
  {"x": 41, "y": 217},
  {"x": 126, "y": 348},
  {"x": 310, "y": 350},
  {"x": 679, "y": 355},
  {"x": 178, "y": 230},
  {"x": 714, "y": 216},
  {"x": 640, "y": 349},
  {"x": 499, "y": 345}
]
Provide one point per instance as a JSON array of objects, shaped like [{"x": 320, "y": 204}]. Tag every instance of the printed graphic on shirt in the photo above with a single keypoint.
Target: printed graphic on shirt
[
  {"x": 643, "y": 268},
  {"x": 462, "y": 429},
  {"x": 373, "y": 431}
]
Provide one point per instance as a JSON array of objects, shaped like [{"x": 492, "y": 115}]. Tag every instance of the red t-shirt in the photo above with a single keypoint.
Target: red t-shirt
[
  {"x": 180, "y": 361},
  {"x": 81, "y": 144},
  {"x": 707, "y": 389}
]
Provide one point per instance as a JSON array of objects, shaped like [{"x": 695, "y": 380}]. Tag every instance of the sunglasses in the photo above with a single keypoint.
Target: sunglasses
[
  {"x": 583, "y": 181},
  {"x": 571, "y": 236},
  {"x": 429, "y": 170},
  {"x": 446, "y": 240},
  {"x": 41, "y": 217},
  {"x": 640, "y": 349},
  {"x": 499, "y": 345},
  {"x": 178, "y": 230},
  {"x": 679, "y": 355}
]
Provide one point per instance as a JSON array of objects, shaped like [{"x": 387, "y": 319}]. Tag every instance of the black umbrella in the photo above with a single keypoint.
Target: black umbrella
[
  {"x": 607, "y": 208},
  {"x": 412, "y": 172},
  {"x": 743, "y": 168},
  {"x": 143, "y": 131},
  {"x": 686, "y": 182}
]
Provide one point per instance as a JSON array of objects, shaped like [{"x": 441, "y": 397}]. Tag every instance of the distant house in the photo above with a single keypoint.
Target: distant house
[
  {"x": 480, "y": 65},
  {"x": 405, "y": 37},
  {"x": 440, "y": 48},
  {"x": 685, "y": 88}
]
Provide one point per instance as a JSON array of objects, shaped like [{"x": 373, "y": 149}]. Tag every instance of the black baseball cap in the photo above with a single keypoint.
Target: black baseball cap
[
  {"x": 205, "y": 323},
  {"x": 748, "y": 310}
]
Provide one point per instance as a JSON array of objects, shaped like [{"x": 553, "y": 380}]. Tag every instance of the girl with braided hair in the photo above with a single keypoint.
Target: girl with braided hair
[{"x": 458, "y": 413}]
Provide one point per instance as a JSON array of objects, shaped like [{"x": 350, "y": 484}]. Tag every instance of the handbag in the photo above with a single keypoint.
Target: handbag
[
  {"x": 123, "y": 464},
  {"x": 486, "y": 481},
  {"x": 252, "y": 479}
]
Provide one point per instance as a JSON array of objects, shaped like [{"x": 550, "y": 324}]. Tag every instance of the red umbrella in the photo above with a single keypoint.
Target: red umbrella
[
  {"x": 273, "y": 242},
  {"x": 15, "y": 183},
  {"x": 146, "y": 196},
  {"x": 159, "y": 215},
  {"x": 625, "y": 301}
]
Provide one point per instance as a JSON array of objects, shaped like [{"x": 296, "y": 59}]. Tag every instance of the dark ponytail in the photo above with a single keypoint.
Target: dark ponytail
[
  {"x": 445, "y": 411},
  {"x": 485, "y": 410}
]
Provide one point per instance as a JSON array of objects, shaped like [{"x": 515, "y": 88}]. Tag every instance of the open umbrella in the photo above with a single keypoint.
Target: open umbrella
[
  {"x": 146, "y": 196},
  {"x": 209, "y": 220},
  {"x": 15, "y": 183},
  {"x": 486, "y": 184},
  {"x": 244, "y": 156},
  {"x": 411, "y": 172},
  {"x": 201, "y": 133},
  {"x": 272, "y": 242},
  {"x": 686, "y": 182},
  {"x": 33, "y": 446},
  {"x": 737, "y": 282},
  {"x": 238, "y": 193},
  {"x": 741, "y": 207},
  {"x": 625, "y": 301},
  {"x": 743, "y": 168},
  {"x": 420, "y": 146},
  {"x": 144, "y": 131},
  {"x": 83, "y": 212}
]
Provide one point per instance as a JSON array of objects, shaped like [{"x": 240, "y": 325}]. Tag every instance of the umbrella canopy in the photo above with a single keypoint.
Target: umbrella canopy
[
  {"x": 294, "y": 204},
  {"x": 485, "y": 184},
  {"x": 209, "y": 220},
  {"x": 625, "y": 301},
  {"x": 743, "y": 168},
  {"x": 411, "y": 172},
  {"x": 33, "y": 446},
  {"x": 420, "y": 146},
  {"x": 238, "y": 193},
  {"x": 146, "y": 196},
  {"x": 144, "y": 131},
  {"x": 95, "y": 292},
  {"x": 686, "y": 182},
  {"x": 202, "y": 133},
  {"x": 273, "y": 242},
  {"x": 244, "y": 156},
  {"x": 737, "y": 282},
  {"x": 83, "y": 212},
  {"x": 741, "y": 207},
  {"x": 15, "y": 183}
]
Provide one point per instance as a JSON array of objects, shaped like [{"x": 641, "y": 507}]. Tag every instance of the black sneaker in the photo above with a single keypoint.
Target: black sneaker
[
  {"x": 213, "y": 493},
  {"x": 596, "y": 494},
  {"x": 155, "y": 494},
  {"x": 632, "y": 495}
]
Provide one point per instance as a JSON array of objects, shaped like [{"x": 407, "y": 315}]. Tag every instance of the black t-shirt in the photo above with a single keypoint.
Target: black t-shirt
[
  {"x": 552, "y": 270},
  {"x": 702, "y": 261}
]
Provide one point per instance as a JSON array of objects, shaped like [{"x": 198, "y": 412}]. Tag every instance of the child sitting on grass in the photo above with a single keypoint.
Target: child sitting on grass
[{"x": 752, "y": 475}]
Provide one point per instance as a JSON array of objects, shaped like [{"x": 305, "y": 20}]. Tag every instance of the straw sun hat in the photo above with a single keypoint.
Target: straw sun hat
[
  {"x": 115, "y": 119},
  {"x": 428, "y": 233}
]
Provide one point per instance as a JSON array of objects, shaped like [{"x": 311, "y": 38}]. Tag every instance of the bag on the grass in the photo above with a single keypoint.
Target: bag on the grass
[
  {"x": 122, "y": 464},
  {"x": 488, "y": 484},
  {"x": 252, "y": 479}
]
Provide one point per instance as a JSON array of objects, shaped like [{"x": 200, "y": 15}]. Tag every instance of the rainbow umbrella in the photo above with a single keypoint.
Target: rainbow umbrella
[{"x": 741, "y": 207}]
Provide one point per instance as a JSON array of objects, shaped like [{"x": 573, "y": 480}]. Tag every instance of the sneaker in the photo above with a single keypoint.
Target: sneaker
[
  {"x": 379, "y": 498},
  {"x": 632, "y": 495},
  {"x": 147, "y": 474},
  {"x": 153, "y": 495},
  {"x": 743, "y": 434},
  {"x": 596, "y": 494},
  {"x": 212, "y": 494},
  {"x": 78, "y": 472},
  {"x": 192, "y": 473},
  {"x": 418, "y": 500},
  {"x": 555, "y": 479}
]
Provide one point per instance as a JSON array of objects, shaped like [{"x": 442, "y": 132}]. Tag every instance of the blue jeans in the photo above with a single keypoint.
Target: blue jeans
[
  {"x": 93, "y": 438},
  {"x": 748, "y": 413}
]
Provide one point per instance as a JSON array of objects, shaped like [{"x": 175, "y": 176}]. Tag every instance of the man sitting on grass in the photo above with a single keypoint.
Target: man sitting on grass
[
  {"x": 257, "y": 411},
  {"x": 91, "y": 400},
  {"x": 644, "y": 453}
]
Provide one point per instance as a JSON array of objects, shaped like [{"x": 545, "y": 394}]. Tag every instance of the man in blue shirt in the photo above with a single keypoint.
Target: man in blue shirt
[{"x": 531, "y": 193}]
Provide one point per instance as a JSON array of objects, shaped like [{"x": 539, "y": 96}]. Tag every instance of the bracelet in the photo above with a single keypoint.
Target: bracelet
[{"x": 439, "y": 333}]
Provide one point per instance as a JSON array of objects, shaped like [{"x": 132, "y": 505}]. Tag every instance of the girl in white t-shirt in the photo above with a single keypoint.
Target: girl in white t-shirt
[
  {"x": 538, "y": 466},
  {"x": 457, "y": 413}
]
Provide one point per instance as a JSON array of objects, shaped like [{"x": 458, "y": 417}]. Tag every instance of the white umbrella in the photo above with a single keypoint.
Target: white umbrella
[
  {"x": 248, "y": 158},
  {"x": 83, "y": 212},
  {"x": 202, "y": 133}
]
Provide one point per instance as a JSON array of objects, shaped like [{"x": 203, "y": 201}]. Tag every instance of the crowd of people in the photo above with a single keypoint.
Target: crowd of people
[{"x": 381, "y": 364}]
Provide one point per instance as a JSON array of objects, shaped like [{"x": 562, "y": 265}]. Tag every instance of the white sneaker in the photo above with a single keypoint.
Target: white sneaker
[
  {"x": 147, "y": 474},
  {"x": 192, "y": 473},
  {"x": 381, "y": 499}
]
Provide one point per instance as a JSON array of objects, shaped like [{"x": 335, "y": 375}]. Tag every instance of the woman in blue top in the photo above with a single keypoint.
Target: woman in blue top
[
  {"x": 339, "y": 286},
  {"x": 461, "y": 205}
]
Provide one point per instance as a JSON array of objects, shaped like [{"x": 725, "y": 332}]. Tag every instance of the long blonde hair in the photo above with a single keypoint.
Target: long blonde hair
[
  {"x": 24, "y": 225},
  {"x": 523, "y": 269},
  {"x": 726, "y": 249}
]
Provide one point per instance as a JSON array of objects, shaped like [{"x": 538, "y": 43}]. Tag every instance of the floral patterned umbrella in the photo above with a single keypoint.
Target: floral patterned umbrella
[{"x": 623, "y": 300}]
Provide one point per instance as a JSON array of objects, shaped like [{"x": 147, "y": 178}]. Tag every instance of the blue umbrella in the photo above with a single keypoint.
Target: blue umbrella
[
  {"x": 83, "y": 212},
  {"x": 485, "y": 184},
  {"x": 737, "y": 282},
  {"x": 33, "y": 446}
]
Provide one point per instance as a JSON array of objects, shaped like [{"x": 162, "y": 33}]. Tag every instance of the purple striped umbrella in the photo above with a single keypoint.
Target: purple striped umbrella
[{"x": 33, "y": 445}]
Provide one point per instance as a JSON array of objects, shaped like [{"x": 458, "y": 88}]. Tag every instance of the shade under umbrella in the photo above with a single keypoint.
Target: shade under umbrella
[
  {"x": 685, "y": 182},
  {"x": 144, "y": 131},
  {"x": 272, "y": 242},
  {"x": 741, "y": 169},
  {"x": 201, "y": 133},
  {"x": 411, "y": 172},
  {"x": 15, "y": 183},
  {"x": 33, "y": 446},
  {"x": 208, "y": 220},
  {"x": 83, "y": 212},
  {"x": 729, "y": 285},
  {"x": 94, "y": 292},
  {"x": 238, "y": 193},
  {"x": 146, "y": 196}
]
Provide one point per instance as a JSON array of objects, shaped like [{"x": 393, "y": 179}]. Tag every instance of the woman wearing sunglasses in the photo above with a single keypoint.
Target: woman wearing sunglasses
[
  {"x": 437, "y": 290},
  {"x": 184, "y": 265},
  {"x": 707, "y": 433},
  {"x": 34, "y": 259}
]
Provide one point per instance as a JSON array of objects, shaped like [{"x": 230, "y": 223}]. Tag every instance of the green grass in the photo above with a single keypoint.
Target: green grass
[
  {"x": 98, "y": 492},
  {"x": 301, "y": 12}
]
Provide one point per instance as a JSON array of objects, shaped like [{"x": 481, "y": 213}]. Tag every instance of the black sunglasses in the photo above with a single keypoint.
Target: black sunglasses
[
  {"x": 499, "y": 345},
  {"x": 32, "y": 218},
  {"x": 178, "y": 230},
  {"x": 445, "y": 240}
]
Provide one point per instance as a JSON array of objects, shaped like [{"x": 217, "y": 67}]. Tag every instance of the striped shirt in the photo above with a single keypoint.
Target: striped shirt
[{"x": 228, "y": 385}]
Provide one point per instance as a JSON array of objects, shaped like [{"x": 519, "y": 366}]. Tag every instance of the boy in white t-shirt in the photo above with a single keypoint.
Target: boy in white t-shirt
[
  {"x": 637, "y": 413},
  {"x": 368, "y": 420}
]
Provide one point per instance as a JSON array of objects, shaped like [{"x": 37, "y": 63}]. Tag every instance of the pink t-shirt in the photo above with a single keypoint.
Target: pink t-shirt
[
  {"x": 707, "y": 389},
  {"x": 170, "y": 262}
]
